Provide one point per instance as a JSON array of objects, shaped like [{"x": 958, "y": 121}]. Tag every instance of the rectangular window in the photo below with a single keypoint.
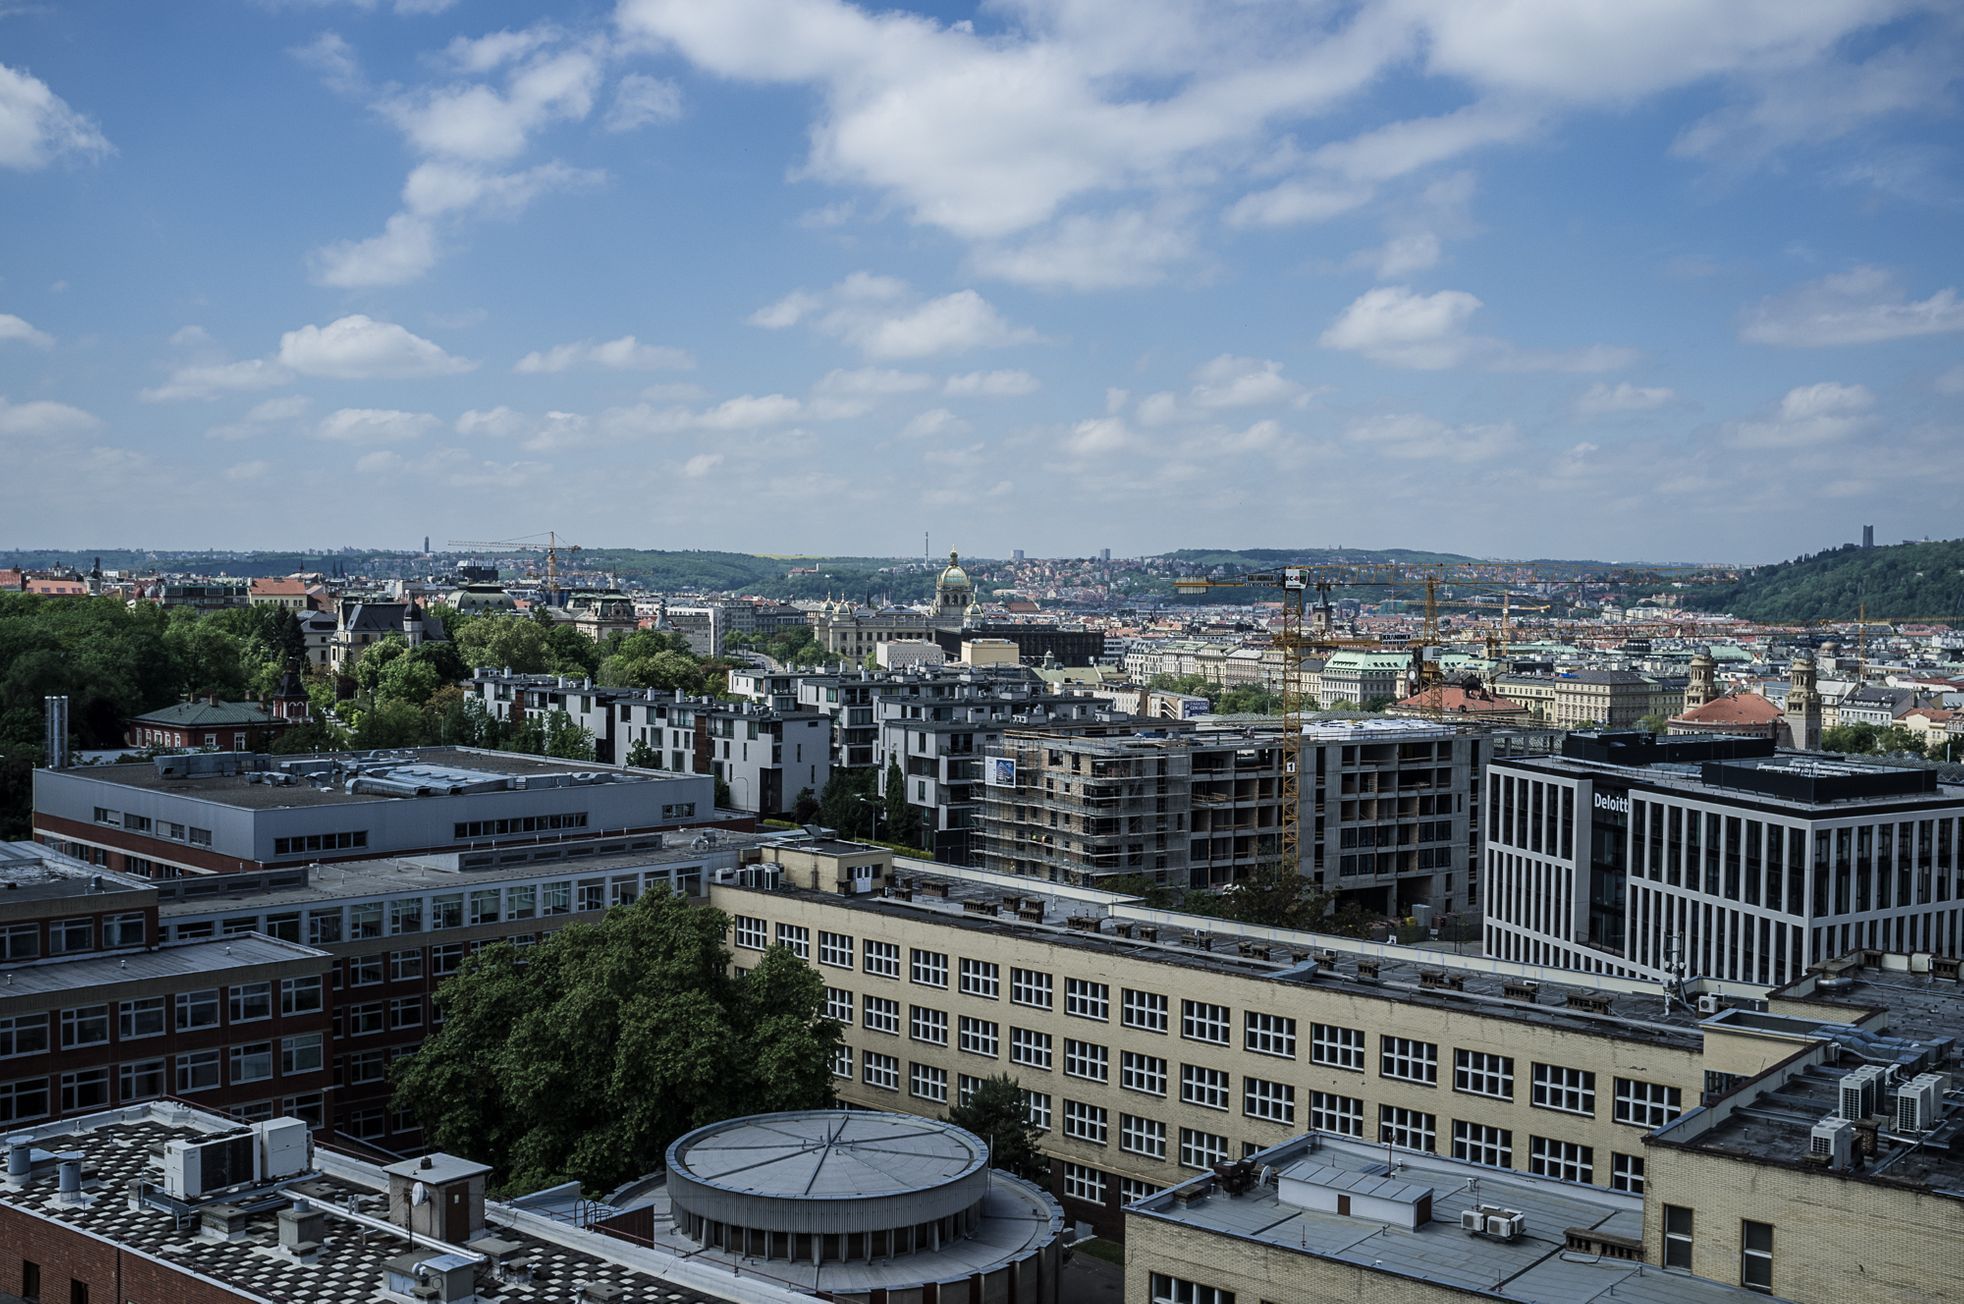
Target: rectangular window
[
  {"x": 556, "y": 899},
  {"x": 252, "y": 1002},
  {"x": 143, "y": 1080},
  {"x": 1143, "y": 1010},
  {"x": 1337, "y": 1047},
  {"x": 926, "y": 1025},
  {"x": 303, "y": 995},
  {"x": 749, "y": 933},
  {"x": 926, "y": 1082},
  {"x": 1085, "y": 1059},
  {"x": 300, "y": 1054},
  {"x": 842, "y": 1062},
  {"x": 977, "y": 1036},
  {"x": 252, "y": 1062},
  {"x": 1677, "y": 1237},
  {"x": 20, "y": 942},
  {"x": 1085, "y": 1122},
  {"x": 365, "y": 970},
  {"x": 197, "y": 1071},
  {"x": 1142, "y": 1073},
  {"x": 883, "y": 959},
  {"x": 1087, "y": 1000},
  {"x": 20, "y": 1101},
  {"x": 70, "y": 936},
  {"x": 1477, "y": 1143},
  {"x": 1756, "y": 1256},
  {"x": 366, "y": 1020},
  {"x": 406, "y": 1012},
  {"x": 966, "y": 1085},
  {"x": 1200, "y": 1021},
  {"x": 979, "y": 979},
  {"x": 1409, "y": 1129},
  {"x": 1142, "y": 1136},
  {"x": 795, "y": 938},
  {"x": 1176, "y": 1290},
  {"x": 447, "y": 911},
  {"x": 1408, "y": 1060},
  {"x": 1481, "y": 1073},
  {"x": 197, "y": 1010},
  {"x": 1205, "y": 1087},
  {"x": 1201, "y": 1150},
  {"x": 445, "y": 960},
  {"x": 122, "y": 930},
  {"x": 838, "y": 1005},
  {"x": 405, "y": 916},
  {"x": 1269, "y": 1034},
  {"x": 84, "y": 1091},
  {"x": 1571, "y": 1091},
  {"x": 928, "y": 968},
  {"x": 1341, "y": 1115},
  {"x": 1037, "y": 1104},
  {"x": 835, "y": 949},
  {"x": 1646, "y": 1104},
  {"x": 141, "y": 1018},
  {"x": 1029, "y": 1047},
  {"x": 1081, "y": 1183},
  {"x": 1131, "y": 1190},
  {"x": 404, "y": 966},
  {"x": 1029, "y": 987},
  {"x": 87, "y": 1025},
  {"x": 23, "y": 1034},
  {"x": 881, "y": 1071},
  {"x": 1274, "y": 1102},
  {"x": 365, "y": 918},
  {"x": 367, "y": 1066},
  {"x": 1566, "y": 1160},
  {"x": 882, "y": 1015},
  {"x": 521, "y": 902},
  {"x": 1626, "y": 1173}
]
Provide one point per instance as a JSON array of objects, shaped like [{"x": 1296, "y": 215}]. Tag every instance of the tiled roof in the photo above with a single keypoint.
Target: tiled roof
[
  {"x": 193, "y": 714},
  {"x": 1735, "y": 708}
]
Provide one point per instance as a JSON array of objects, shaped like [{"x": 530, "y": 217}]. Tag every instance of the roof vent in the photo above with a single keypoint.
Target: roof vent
[
  {"x": 1588, "y": 1002},
  {"x": 1520, "y": 990},
  {"x": 1832, "y": 1142}
]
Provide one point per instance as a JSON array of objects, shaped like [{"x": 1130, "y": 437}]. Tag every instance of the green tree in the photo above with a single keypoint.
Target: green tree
[
  {"x": 997, "y": 1112},
  {"x": 1656, "y": 722},
  {"x": 899, "y": 821},
  {"x": 805, "y": 808},
  {"x": 842, "y": 806},
  {"x": 1852, "y": 739},
  {"x": 586, "y": 1059},
  {"x": 643, "y": 757}
]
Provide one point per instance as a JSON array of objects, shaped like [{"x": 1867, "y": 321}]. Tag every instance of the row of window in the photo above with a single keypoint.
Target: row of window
[
  {"x": 71, "y": 936},
  {"x": 194, "y": 1071},
  {"x": 192, "y": 834},
  {"x": 347, "y": 840},
  {"x": 466, "y": 829},
  {"x": 1755, "y": 1247},
  {"x": 151, "y": 1016}
]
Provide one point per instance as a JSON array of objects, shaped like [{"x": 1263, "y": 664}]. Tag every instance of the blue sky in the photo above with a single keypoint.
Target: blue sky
[{"x": 1672, "y": 279}]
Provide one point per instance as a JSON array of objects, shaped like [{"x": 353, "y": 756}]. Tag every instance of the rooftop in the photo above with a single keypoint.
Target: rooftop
[
  {"x": 31, "y": 872},
  {"x": 174, "y": 960},
  {"x": 827, "y": 1155},
  {"x": 122, "y": 1147},
  {"x": 257, "y": 781},
  {"x": 207, "y": 713},
  {"x": 1537, "y": 1266}
]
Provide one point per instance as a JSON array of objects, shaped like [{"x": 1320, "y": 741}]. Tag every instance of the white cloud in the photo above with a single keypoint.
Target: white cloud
[
  {"x": 1831, "y": 101},
  {"x": 935, "y": 423},
  {"x": 14, "y": 330},
  {"x": 1396, "y": 325},
  {"x": 483, "y": 124},
  {"x": 209, "y": 380},
  {"x": 1602, "y": 398},
  {"x": 701, "y": 465},
  {"x": 623, "y": 354},
  {"x": 1094, "y": 252},
  {"x": 375, "y": 425},
  {"x": 499, "y": 422},
  {"x": 751, "y": 412},
  {"x": 357, "y": 347},
  {"x": 1411, "y": 437},
  {"x": 246, "y": 472},
  {"x": 640, "y": 100},
  {"x": 1951, "y": 381},
  {"x": 42, "y": 418},
  {"x": 1401, "y": 255},
  {"x": 482, "y": 54},
  {"x": 262, "y": 417},
  {"x": 1809, "y": 416},
  {"x": 1864, "y": 305},
  {"x": 1397, "y": 148},
  {"x": 880, "y": 317},
  {"x": 1293, "y": 203},
  {"x": 380, "y": 462},
  {"x": 405, "y": 250},
  {"x": 1099, "y": 437},
  {"x": 991, "y": 384},
  {"x": 872, "y": 382},
  {"x": 1228, "y": 382},
  {"x": 37, "y": 126}
]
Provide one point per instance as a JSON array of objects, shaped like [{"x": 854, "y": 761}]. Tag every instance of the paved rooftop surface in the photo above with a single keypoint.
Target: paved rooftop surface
[
  {"x": 211, "y": 959},
  {"x": 1535, "y": 1267},
  {"x": 828, "y": 1155},
  {"x": 31, "y": 872},
  {"x": 125, "y": 1145}
]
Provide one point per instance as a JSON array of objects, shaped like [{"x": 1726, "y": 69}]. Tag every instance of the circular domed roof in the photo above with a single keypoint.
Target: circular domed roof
[{"x": 954, "y": 577}]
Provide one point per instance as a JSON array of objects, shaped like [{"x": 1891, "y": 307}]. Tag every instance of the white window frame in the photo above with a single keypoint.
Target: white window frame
[
  {"x": 1568, "y": 1161},
  {"x": 978, "y": 1036},
  {"x": 1029, "y": 1047},
  {"x": 882, "y": 959},
  {"x": 1086, "y": 1122},
  {"x": 1407, "y": 1059},
  {"x": 1269, "y": 1034},
  {"x": 1408, "y": 1129},
  {"x": 1648, "y": 1105},
  {"x": 1483, "y": 1073},
  {"x": 1146, "y": 1011},
  {"x": 1272, "y": 1102},
  {"x": 981, "y": 979},
  {"x": 1084, "y": 999},
  {"x": 1029, "y": 987},
  {"x": 1142, "y": 1136},
  {"x": 1087, "y": 1060},
  {"x": 1204, "y": 1021},
  {"x": 1564, "y": 1090},
  {"x": 927, "y": 968},
  {"x": 1335, "y": 1046},
  {"x": 1205, "y": 1087},
  {"x": 1336, "y": 1114},
  {"x": 881, "y": 1014},
  {"x": 1202, "y": 1150},
  {"x": 1483, "y": 1143},
  {"x": 927, "y": 1025},
  {"x": 881, "y": 1072}
]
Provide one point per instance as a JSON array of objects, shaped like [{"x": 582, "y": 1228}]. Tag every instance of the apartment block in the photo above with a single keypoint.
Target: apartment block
[{"x": 1716, "y": 857}]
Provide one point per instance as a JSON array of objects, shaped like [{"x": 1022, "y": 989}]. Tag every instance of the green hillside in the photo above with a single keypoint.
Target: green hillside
[{"x": 1903, "y": 581}]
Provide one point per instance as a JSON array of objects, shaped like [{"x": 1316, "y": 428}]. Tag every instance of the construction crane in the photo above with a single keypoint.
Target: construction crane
[{"x": 552, "y": 547}]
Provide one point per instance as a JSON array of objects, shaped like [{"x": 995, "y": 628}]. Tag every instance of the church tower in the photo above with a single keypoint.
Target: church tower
[
  {"x": 1803, "y": 704},
  {"x": 1699, "y": 690},
  {"x": 954, "y": 594}
]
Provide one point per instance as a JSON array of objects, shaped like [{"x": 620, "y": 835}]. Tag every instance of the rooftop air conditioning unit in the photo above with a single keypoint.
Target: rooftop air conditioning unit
[
  {"x": 1856, "y": 1095},
  {"x": 1472, "y": 1220},
  {"x": 1832, "y": 1142},
  {"x": 1506, "y": 1224},
  {"x": 1710, "y": 1003},
  {"x": 1918, "y": 1102}
]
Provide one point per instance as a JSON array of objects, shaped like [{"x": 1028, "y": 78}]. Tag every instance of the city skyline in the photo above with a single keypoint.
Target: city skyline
[{"x": 1563, "y": 281}]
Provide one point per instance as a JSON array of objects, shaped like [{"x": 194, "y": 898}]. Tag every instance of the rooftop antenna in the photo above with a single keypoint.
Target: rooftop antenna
[{"x": 1674, "y": 970}]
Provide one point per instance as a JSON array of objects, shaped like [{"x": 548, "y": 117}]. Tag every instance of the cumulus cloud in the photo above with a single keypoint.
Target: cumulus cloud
[
  {"x": 1413, "y": 437},
  {"x": 262, "y": 417},
  {"x": 15, "y": 330},
  {"x": 991, "y": 384},
  {"x": 641, "y": 100},
  {"x": 246, "y": 472},
  {"x": 357, "y": 347},
  {"x": 488, "y": 124},
  {"x": 935, "y": 423},
  {"x": 872, "y": 382},
  {"x": 1809, "y": 416},
  {"x": 701, "y": 465},
  {"x": 1400, "y": 327},
  {"x": 37, "y": 126},
  {"x": 1602, "y": 399},
  {"x": 882, "y": 318},
  {"x": 623, "y": 354},
  {"x": 1102, "y": 251},
  {"x": 475, "y": 56},
  {"x": 375, "y": 426},
  {"x": 43, "y": 418},
  {"x": 1228, "y": 381},
  {"x": 209, "y": 380},
  {"x": 1864, "y": 305}
]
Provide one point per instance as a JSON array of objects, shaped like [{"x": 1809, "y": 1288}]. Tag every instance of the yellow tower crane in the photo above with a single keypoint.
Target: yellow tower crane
[{"x": 549, "y": 543}]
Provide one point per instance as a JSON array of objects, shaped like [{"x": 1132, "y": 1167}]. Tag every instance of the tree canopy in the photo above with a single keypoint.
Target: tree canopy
[
  {"x": 997, "y": 1112},
  {"x": 1900, "y": 581},
  {"x": 582, "y": 1057}
]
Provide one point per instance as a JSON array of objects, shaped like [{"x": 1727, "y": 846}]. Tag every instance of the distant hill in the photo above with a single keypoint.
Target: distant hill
[
  {"x": 1284, "y": 556},
  {"x": 1899, "y": 582}
]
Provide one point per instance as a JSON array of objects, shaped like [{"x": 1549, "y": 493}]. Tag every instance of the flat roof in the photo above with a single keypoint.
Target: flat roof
[
  {"x": 173, "y": 960},
  {"x": 435, "y": 768},
  {"x": 31, "y": 872},
  {"x": 1690, "y": 778},
  {"x": 1536, "y": 1267},
  {"x": 827, "y": 1154},
  {"x": 124, "y": 1146}
]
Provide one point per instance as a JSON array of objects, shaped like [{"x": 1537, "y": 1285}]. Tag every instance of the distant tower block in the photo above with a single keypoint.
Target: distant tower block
[
  {"x": 1868, "y": 536},
  {"x": 1104, "y": 554},
  {"x": 55, "y": 740}
]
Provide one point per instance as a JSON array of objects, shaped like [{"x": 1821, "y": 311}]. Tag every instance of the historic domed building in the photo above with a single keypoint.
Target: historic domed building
[
  {"x": 846, "y": 630},
  {"x": 954, "y": 595}
]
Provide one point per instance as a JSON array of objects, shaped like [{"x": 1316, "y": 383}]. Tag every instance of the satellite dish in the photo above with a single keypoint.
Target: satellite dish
[{"x": 419, "y": 1194}]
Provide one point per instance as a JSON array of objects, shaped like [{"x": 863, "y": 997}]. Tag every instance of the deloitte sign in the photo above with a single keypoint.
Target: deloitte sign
[{"x": 1621, "y": 805}]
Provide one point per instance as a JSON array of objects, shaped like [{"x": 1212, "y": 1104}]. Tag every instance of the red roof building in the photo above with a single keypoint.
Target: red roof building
[
  {"x": 1738, "y": 713},
  {"x": 1463, "y": 700}
]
